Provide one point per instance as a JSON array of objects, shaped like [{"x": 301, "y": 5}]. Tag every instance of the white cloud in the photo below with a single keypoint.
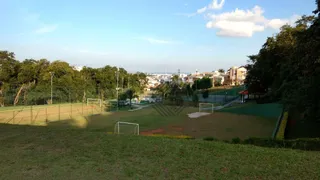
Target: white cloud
[
  {"x": 202, "y": 10},
  {"x": 47, "y": 29},
  {"x": 213, "y": 5},
  {"x": 243, "y": 23},
  {"x": 278, "y": 23}
]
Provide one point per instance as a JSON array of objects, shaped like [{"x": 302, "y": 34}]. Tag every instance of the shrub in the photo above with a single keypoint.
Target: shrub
[
  {"x": 210, "y": 139},
  {"x": 236, "y": 140},
  {"x": 205, "y": 94},
  {"x": 309, "y": 144},
  {"x": 195, "y": 99}
]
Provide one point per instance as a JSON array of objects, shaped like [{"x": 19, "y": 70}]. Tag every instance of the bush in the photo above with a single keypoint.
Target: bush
[
  {"x": 205, "y": 94},
  {"x": 195, "y": 99},
  {"x": 236, "y": 140},
  {"x": 210, "y": 139},
  {"x": 310, "y": 144}
]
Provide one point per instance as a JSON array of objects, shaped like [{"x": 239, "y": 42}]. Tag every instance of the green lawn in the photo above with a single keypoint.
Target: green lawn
[
  {"x": 28, "y": 152},
  {"x": 8, "y": 108},
  {"x": 224, "y": 126}
]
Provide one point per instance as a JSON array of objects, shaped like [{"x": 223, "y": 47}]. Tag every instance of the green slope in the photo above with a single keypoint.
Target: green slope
[{"x": 42, "y": 153}]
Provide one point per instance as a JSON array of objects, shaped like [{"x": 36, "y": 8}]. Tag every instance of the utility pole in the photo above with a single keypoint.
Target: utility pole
[{"x": 51, "y": 73}]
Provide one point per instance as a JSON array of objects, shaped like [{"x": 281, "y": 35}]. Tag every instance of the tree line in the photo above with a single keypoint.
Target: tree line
[
  {"x": 29, "y": 81},
  {"x": 176, "y": 89},
  {"x": 287, "y": 67}
]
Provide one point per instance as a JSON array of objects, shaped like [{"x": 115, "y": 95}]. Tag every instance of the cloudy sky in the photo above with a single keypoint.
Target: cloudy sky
[{"x": 145, "y": 35}]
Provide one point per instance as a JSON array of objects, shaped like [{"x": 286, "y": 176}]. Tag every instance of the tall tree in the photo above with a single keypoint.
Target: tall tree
[{"x": 221, "y": 71}]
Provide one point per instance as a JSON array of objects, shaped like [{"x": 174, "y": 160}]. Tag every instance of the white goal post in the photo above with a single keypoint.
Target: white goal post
[
  {"x": 94, "y": 101},
  {"x": 206, "y": 107},
  {"x": 135, "y": 127}
]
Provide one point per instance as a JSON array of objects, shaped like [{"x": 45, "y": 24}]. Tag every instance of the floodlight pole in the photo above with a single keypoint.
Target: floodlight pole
[
  {"x": 117, "y": 74},
  {"x": 51, "y": 73}
]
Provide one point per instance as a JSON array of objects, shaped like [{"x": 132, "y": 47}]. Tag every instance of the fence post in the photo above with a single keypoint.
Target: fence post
[
  {"x": 31, "y": 114},
  {"x": 59, "y": 111}
]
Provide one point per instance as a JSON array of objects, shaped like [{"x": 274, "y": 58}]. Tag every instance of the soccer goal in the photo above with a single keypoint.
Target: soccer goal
[
  {"x": 126, "y": 128},
  {"x": 94, "y": 101},
  {"x": 206, "y": 107}
]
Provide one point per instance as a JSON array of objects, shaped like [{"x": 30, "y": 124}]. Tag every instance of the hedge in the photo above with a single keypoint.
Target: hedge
[{"x": 308, "y": 144}]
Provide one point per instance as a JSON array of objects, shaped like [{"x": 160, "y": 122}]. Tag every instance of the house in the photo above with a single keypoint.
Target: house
[
  {"x": 241, "y": 75},
  {"x": 236, "y": 75}
]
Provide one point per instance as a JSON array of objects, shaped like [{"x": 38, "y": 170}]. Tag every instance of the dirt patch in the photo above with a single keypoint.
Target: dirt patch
[
  {"x": 177, "y": 128},
  {"x": 170, "y": 130},
  {"x": 226, "y": 126},
  {"x": 155, "y": 131}
]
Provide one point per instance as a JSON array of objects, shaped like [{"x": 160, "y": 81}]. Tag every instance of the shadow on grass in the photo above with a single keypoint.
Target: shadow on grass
[{"x": 147, "y": 119}]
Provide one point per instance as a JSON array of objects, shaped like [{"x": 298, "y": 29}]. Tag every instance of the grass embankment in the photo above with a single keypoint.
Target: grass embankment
[{"x": 48, "y": 153}]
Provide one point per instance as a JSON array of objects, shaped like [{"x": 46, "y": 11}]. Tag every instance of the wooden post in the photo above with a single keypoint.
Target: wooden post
[{"x": 59, "y": 111}]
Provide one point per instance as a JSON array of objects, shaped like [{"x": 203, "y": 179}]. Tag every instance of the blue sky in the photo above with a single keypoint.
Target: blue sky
[{"x": 145, "y": 35}]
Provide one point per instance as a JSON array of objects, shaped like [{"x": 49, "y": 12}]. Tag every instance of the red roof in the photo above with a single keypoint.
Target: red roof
[{"x": 245, "y": 92}]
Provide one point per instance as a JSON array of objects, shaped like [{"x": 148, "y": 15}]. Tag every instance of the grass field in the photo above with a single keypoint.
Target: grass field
[
  {"x": 40, "y": 115},
  {"x": 219, "y": 125},
  {"x": 34, "y": 152}
]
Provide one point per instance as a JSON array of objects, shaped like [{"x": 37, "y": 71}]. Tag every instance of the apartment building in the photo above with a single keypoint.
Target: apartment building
[{"x": 236, "y": 75}]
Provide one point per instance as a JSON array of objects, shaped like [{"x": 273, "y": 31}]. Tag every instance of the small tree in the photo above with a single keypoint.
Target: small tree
[
  {"x": 195, "y": 99},
  {"x": 205, "y": 94},
  {"x": 123, "y": 96},
  {"x": 221, "y": 71},
  {"x": 130, "y": 94}
]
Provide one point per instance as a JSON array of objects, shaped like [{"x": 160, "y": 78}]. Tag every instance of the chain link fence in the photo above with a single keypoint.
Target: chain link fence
[
  {"x": 219, "y": 96},
  {"x": 39, "y": 107}
]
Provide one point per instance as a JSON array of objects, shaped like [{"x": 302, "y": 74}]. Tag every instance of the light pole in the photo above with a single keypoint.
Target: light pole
[
  {"x": 51, "y": 73},
  {"x": 117, "y": 88}
]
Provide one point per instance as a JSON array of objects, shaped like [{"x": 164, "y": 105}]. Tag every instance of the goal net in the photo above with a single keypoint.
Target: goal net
[
  {"x": 206, "y": 107},
  {"x": 93, "y": 101},
  {"x": 126, "y": 128}
]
